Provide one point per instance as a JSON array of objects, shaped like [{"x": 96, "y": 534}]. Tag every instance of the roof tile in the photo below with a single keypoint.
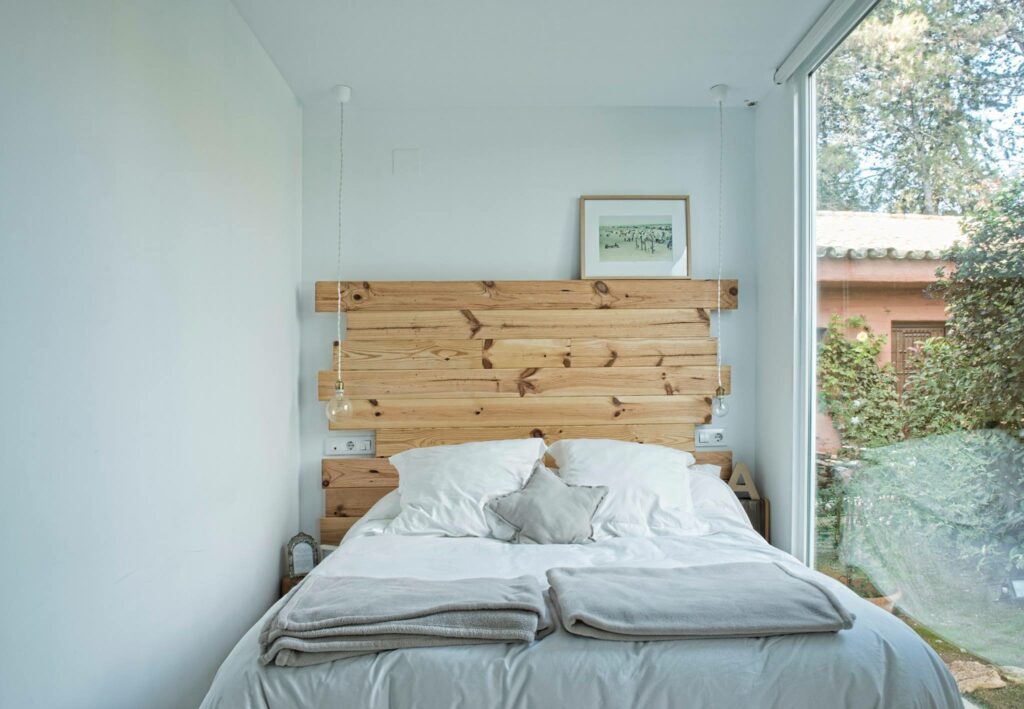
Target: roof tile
[{"x": 873, "y": 235}]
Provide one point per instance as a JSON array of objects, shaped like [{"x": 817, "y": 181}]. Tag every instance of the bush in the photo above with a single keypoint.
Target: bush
[
  {"x": 853, "y": 389},
  {"x": 984, "y": 295},
  {"x": 936, "y": 397}
]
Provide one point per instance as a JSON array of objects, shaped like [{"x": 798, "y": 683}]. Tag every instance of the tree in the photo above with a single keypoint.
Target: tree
[
  {"x": 984, "y": 294},
  {"x": 911, "y": 106}
]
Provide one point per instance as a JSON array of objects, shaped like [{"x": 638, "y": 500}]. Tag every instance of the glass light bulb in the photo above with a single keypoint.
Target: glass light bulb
[
  {"x": 719, "y": 405},
  {"x": 339, "y": 406}
]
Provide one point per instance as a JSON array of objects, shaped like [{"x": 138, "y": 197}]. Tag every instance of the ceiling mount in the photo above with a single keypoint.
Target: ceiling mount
[
  {"x": 719, "y": 92},
  {"x": 342, "y": 93}
]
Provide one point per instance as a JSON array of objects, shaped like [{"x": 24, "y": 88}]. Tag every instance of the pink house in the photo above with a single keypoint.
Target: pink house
[{"x": 878, "y": 266}]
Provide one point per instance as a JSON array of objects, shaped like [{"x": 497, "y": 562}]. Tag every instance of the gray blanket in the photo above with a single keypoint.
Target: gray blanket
[
  {"x": 331, "y": 618},
  {"x": 735, "y": 600}
]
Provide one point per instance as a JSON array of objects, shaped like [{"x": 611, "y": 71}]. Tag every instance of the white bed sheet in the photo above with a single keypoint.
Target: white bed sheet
[{"x": 879, "y": 663}]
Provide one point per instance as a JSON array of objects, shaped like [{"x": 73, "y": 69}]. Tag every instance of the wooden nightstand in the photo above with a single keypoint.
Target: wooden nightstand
[
  {"x": 760, "y": 514},
  {"x": 290, "y": 582}
]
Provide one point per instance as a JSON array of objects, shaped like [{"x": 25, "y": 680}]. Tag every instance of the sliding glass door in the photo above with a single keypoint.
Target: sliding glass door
[{"x": 919, "y": 260}]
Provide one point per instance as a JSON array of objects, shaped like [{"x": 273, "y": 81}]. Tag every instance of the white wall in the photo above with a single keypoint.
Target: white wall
[
  {"x": 776, "y": 376},
  {"x": 496, "y": 198},
  {"x": 150, "y": 212}
]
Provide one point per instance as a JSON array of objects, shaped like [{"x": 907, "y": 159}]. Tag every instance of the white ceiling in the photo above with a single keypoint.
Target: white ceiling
[{"x": 400, "y": 53}]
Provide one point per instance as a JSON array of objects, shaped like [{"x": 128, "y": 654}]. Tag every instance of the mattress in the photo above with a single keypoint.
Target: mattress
[{"x": 881, "y": 662}]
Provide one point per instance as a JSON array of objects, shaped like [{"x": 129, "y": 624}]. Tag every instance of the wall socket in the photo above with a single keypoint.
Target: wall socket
[
  {"x": 351, "y": 444},
  {"x": 710, "y": 437}
]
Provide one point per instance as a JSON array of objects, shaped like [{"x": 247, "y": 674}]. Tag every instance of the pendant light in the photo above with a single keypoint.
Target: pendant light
[
  {"x": 719, "y": 405},
  {"x": 339, "y": 406}
]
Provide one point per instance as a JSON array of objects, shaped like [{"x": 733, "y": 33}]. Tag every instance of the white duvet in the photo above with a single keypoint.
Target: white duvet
[{"x": 879, "y": 663}]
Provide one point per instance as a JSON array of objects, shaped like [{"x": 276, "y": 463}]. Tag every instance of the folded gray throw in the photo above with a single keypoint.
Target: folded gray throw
[
  {"x": 735, "y": 600},
  {"x": 325, "y": 619}
]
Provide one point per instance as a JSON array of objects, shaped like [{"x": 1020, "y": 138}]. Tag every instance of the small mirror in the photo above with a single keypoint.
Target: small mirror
[{"x": 303, "y": 555}]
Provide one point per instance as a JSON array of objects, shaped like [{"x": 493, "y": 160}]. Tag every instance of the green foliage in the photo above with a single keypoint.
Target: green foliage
[
  {"x": 936, "y": 396},
  {"x": 984, "y": 295},
  {"x": 916, "y": 109},
  {"x": 854, "y": 390},
  {"x": 947, "y": 486}
]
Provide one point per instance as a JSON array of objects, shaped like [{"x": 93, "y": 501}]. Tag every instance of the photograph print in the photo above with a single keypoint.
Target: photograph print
[{"x": 634, "y": 237}]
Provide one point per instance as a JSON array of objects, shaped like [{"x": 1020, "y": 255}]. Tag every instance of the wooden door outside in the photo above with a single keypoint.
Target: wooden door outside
[{"x": 906, "y": 337}]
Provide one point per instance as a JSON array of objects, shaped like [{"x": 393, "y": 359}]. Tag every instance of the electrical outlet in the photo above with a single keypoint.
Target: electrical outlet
[
  {"x": 352, "y": 444},
  {"x": 710, "y": 437}
]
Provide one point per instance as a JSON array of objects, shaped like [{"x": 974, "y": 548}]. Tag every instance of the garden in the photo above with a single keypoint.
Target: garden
[{"x": 922, "y": 507}]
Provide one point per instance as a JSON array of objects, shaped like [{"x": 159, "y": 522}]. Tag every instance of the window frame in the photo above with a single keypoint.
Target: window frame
[{"x": 838, "y": 20}]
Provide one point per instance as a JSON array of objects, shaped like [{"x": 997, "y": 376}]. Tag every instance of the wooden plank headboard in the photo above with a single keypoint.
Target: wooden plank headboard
[{"x": 440, "y": 362}]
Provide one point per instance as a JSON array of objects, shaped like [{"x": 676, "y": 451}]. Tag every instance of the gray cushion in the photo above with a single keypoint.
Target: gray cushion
[{"x": 548, "y": 510}]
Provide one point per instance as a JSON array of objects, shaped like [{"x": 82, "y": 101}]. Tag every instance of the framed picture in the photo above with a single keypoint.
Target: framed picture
[
  {"x": 634, "y": 237},
  {"x": 302, "y": 555}
]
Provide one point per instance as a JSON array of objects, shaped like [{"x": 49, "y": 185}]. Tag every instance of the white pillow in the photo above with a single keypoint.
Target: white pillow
[
  {"x": 443, "y": 488},
  {"x": 648, "y": 486},
  {"x": 712, "y": 496}
]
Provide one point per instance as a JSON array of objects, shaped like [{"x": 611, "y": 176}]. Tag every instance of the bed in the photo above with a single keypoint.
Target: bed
[
  {"x": 880, "y": 662},
  {"x": 628, "y": 362}
]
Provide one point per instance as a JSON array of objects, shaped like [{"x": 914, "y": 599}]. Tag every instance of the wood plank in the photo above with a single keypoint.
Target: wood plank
[
  {"x": 526, "y": 324},
  {"x": 353, "y": 501},
  {"x": 357, "y": 472},
  {"x": 531, "y": 411},
  {"x": 524, "y": 295},
  {"x": 347, "y": 473},
  {"x": 408, "y": 354},
  {"x": 510, "y": 354},
  {"x": 620, "y": 352},
  {"x": 450, "y": 354},
  {"x": 532, "y": 381},
  {"x": 332, "y": 529},
  {"x": 392, "y": 441}
]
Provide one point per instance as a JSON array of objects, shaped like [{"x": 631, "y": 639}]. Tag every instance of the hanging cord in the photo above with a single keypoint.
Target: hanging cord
[
  {"x": 341, "y": 174},
  {"x": 721, "y": 160}
]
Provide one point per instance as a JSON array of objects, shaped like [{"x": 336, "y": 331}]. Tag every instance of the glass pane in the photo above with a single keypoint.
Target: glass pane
[{"x": 920, "y": 266}]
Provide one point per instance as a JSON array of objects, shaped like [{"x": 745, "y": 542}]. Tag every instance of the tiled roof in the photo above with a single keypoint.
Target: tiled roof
[{"x": 862, "y": 235}]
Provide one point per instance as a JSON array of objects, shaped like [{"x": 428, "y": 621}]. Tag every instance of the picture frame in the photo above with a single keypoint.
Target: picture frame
[
  {"x": 635, "y": 236},
  {"x": 303, "y": 554}
]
